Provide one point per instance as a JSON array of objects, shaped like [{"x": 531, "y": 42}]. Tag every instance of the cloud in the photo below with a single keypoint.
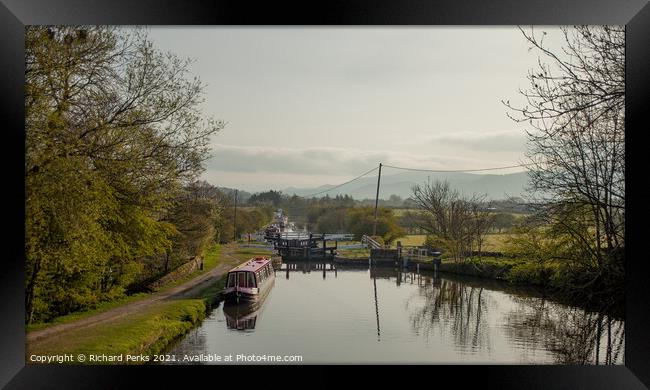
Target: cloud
[
  {"x": 255, "y": 168},
  {"x": 335, "y": 161},
  {"x": 494, "y": 142},
  {"x": 292, "y": 160}
]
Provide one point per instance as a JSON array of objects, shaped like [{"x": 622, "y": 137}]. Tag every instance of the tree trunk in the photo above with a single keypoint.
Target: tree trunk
[{"x": 29, "y": 292}]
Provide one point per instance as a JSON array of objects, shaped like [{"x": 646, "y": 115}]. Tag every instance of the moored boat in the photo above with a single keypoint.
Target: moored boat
[{"x": 250, "y": 281}]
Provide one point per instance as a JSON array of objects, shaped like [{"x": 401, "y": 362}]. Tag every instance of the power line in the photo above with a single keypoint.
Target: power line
[
  {"x": 415, "y": 169},
  {"x": 340, "y": 185},
  {"x": 457, "y": 170},
  {"x": 307, "y": 206}
]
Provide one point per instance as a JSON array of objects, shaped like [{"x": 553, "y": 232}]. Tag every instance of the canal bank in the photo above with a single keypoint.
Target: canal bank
[
  {"x": 144, "y": 327},
  {"x": 548, "y": 277}
]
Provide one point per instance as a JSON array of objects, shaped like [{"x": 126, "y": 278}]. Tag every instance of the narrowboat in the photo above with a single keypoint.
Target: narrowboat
[{"x": 250, "y": 281}]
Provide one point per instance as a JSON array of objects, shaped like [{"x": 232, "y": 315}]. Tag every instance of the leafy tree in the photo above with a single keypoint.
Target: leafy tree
[
  {"x": 113, "y": 134},
  {"x": 333, "y": 221},
  {"x": 248, "y": 221},
  {"x": 360, "y": 221},
  {"x": 271, "y": 197}
]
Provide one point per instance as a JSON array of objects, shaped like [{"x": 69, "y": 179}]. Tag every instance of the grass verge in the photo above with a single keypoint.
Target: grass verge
[
  {"x": 514, "y": 270},
  {"x": 142, "y": 334},
  {"x": 145, "y": 333}
]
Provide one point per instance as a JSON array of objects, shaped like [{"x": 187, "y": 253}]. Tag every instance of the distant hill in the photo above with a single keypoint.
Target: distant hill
[{"x": 494, "y": 186}]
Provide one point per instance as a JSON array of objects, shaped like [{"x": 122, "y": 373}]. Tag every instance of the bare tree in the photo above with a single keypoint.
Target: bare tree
[
  {"x": 483, "y": 221},
  {"x": 458, "y": 222},
  {"x": 576, "y": 113}
]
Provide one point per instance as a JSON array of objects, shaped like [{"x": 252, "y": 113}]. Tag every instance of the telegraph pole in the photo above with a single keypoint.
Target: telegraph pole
[
  {"x": 234, "y": 222},
  {"x": 374, "y": 226}
]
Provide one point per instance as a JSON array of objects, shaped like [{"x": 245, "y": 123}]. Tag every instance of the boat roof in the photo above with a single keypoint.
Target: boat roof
[{"x": 253, "y": 264}]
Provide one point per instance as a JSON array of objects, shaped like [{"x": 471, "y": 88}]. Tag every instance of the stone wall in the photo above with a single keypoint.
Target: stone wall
[{"x": 178, "y": 273}]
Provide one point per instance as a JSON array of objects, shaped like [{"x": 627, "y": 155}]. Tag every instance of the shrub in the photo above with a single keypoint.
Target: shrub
[{"x": 533, "y": 273}]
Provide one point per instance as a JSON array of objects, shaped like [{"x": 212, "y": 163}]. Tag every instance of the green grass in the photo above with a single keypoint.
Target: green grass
[
  {"x": 243, "y": 253},
  {"x": 361, "y": 253},
  {"x": 514, "y": 270},
  {"x": 411, "y": 240},
  {"x": 495, "y": 242},
  {"x": 146, "y": 333},
  {"x": 212, "y": 259},
  {"x": 212, "y": 292},
  {"x": 102, "y": 307}
]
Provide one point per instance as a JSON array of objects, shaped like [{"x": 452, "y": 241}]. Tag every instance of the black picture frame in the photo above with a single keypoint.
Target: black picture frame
[{"x": 15, "y": 14}]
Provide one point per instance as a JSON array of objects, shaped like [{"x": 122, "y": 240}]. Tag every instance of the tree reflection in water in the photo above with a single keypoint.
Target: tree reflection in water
[
  {"x": 459, "y": 308},
  {"x": 455, "y": 307},
  {"x": 573, "y": 335}
]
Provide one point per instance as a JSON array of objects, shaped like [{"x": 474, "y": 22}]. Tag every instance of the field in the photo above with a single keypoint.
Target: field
[
  {"x": 493, "y": 242},
  {"x": 401, "y": 212}
]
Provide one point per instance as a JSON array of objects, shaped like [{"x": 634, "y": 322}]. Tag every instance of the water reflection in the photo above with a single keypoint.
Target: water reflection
[
  {"x": 305, "y": 267},
  {"x": 448, "y": 308},
  {"x": 573, "y": 335},
  {"x": 241, "y": 317},
  {"x": 459, "y": 308},
  {"x": 331, "y": 314}
]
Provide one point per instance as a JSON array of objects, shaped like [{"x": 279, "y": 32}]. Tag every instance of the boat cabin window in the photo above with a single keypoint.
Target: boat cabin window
[
  {"x": 241, "y": 279},
  {"x": 248, "y": 279},
  {"x": 231, "y": 280}
]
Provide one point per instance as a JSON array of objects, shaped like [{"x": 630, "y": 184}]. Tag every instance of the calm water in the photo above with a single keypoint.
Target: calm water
[{"x": 381, "y": 315}]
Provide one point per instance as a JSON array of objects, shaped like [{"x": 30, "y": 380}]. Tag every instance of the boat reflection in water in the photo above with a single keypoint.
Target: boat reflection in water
[{"x": 241, "y": 317}]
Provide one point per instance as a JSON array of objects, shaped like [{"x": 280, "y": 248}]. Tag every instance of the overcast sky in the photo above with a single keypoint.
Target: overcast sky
[{"x": 312, "y": 106}]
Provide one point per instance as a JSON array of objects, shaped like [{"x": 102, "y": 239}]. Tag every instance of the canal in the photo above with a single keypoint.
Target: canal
[{"x": 382, "y": 315}]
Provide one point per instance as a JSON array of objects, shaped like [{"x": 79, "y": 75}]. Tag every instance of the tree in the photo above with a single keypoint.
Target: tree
[
  {"x": 248, "y": 221},
  {"x": 269, "y": 197},
  {"x": 113, "y": 134},
  {"x": 360, "y": 221},
  {"x": 483, "y": 220},
  {"x": 504, "y": 221},
  {"x": 194, "y": 218},
  {"x": 332, "y": 221},
  {"x": 576, "y": 114},
  {"x": 410, "y": 221},
  {"x": 456, "y": 222}
]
